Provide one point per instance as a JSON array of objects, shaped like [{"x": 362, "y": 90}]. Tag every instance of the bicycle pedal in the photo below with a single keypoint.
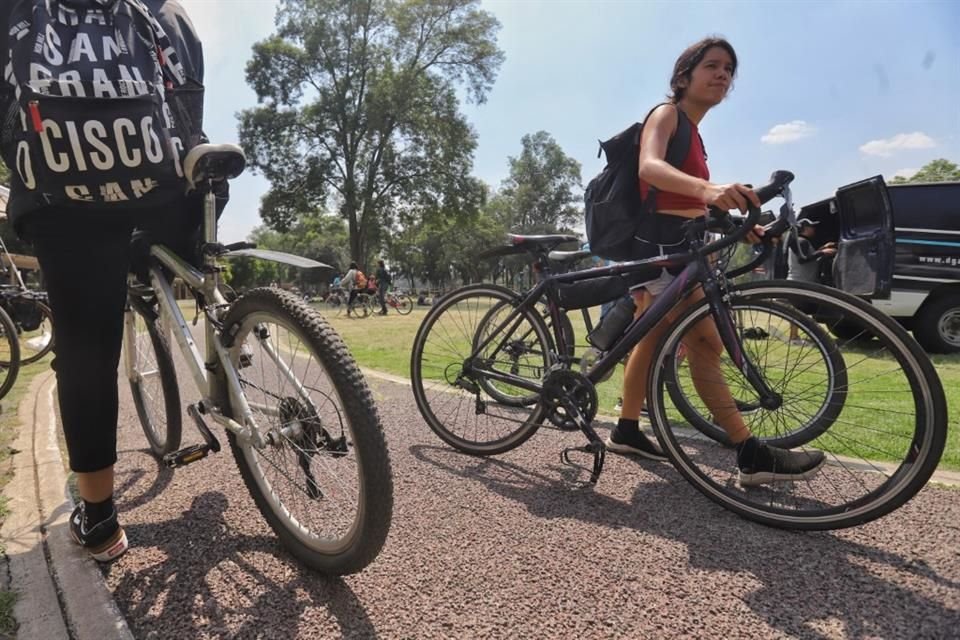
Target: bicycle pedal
[
  {"x": 186, "y": 456},
  {"x": 212, "y": 443}
]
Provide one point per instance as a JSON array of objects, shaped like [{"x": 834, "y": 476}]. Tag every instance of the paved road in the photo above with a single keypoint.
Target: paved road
[{"x": 508, "y": 548}]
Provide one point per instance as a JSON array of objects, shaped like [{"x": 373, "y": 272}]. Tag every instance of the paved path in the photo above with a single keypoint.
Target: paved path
[{"x": 507, "y": 548}]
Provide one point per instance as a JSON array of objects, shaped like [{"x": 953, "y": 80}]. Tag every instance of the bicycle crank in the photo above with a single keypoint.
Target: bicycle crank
[
  {"x": 193, "y": 453},
  {"x": 570, "y": 397}
]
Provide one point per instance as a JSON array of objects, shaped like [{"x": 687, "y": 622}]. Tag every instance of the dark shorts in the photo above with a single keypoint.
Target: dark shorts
[{"x": 661, "y": 236}]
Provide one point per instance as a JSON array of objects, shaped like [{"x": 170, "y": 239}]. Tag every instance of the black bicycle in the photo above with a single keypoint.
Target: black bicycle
[
  {"x": 877, "y": 402},
  {"x": 33, "y": 319}
]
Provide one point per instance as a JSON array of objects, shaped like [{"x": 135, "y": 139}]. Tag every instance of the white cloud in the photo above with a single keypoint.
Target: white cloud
[
  {"x": 905, "y": 173},
  {"x": 899, "y": 142},
  {"x": 789, "y": 132}
]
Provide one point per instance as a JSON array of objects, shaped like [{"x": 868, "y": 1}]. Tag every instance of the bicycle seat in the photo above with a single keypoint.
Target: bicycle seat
[
  {"x": 534, "y": 242},
  {"x": 213, "y": 162},
  {"x": 569, "y": 257}
]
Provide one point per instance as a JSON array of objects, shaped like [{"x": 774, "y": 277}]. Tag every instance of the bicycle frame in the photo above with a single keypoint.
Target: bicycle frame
[
  {"x": 697, "y": 271},
  {"x": 204, "y": 285}
]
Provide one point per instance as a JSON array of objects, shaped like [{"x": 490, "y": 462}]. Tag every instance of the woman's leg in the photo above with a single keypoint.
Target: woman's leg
[{"x": 85, "y": 268}]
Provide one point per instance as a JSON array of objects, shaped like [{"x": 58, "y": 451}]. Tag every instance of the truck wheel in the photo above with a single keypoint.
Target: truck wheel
[{"x": 937, "y": 328}]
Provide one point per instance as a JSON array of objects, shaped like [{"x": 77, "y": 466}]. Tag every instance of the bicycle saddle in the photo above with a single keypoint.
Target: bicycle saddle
[
  {"x": 569, "y": 257},
  {"x": 213, "y": 162}
]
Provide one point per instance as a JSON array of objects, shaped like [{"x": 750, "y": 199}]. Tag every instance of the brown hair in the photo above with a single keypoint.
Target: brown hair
[{"x": 690, "y": 58}]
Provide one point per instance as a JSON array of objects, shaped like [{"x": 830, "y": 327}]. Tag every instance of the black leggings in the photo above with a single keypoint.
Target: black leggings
[
  {"x": 85, "y": 258},
  {"x": 85, "y": 269}
]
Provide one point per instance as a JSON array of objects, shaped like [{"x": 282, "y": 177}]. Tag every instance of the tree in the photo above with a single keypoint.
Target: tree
[
  {"x": 940, "y": 170},
  {"x": 358, "y": 103},
  {"x": 543, "y": 192}
]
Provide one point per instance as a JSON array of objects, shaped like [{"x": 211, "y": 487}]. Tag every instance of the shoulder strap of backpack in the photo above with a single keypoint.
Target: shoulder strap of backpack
[
  {"x": 170, "y": 64},
  {"x": 679, "y": 145},
  {"x": 677, "y": 150}
]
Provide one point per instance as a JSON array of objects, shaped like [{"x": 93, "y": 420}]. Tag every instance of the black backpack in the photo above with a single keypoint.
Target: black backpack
[
  {"x": 612, "y": 204},
  {"x": 93, "y": 126}
]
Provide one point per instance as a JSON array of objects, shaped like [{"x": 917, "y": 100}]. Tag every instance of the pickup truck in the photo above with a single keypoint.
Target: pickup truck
[{"x": 899, "y": 246}]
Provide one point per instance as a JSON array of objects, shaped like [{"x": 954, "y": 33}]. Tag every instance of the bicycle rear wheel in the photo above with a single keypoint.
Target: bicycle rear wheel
[
  {"x": 404, "y": 305},
  {"x": 152, "y": 376},
  {"x": 880, "y": 449},
  {"x": 809, "y": 363},
  {"x": 456, "y": 393},
  {"x": 323, "y": 481},
  {"x": 36, "y": 341}
]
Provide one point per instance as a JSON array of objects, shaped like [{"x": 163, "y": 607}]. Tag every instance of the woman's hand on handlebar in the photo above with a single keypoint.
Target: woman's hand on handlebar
[{"x": 730, "y": 196}]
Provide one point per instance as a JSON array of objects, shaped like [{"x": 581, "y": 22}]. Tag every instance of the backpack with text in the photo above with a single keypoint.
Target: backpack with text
[
  {"x": 93, "y": 123},
  {"x": 613, "y": 208}
]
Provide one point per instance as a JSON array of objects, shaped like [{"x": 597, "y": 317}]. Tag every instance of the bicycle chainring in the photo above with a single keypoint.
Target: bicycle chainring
[{"x": 562, "y": 386}]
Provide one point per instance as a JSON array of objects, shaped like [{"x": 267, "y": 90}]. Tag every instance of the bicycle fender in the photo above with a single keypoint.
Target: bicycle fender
[{"x": 277, "y": 256}]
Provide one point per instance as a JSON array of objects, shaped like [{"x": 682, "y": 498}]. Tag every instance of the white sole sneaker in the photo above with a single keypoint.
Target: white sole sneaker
[
  {"x": 628, "y": 450},
  {"x": 768, "y": 477}
]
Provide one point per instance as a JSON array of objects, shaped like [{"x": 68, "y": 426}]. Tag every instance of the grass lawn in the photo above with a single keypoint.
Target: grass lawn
[{"x": 384, "y": 343}]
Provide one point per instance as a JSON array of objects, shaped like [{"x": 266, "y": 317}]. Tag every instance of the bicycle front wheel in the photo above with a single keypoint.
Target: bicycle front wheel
[
  {"x": 453, "y": 378},
  {"x": 796, "y": 355},
  {"x": 882, "y": 445},
  {"x": 153, "y": 379},
  {"x": 322, "y": 481}
]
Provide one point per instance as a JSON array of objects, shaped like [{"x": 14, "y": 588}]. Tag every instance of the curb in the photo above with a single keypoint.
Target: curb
[{"x": 46, "y": 566}]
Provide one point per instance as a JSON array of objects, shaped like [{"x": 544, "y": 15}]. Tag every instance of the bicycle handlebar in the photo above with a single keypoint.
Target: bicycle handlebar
[{"x": 779, "y": 181}]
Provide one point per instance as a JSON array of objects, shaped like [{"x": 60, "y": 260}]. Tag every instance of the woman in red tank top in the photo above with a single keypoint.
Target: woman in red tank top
[{"x": 702, "y": 76}]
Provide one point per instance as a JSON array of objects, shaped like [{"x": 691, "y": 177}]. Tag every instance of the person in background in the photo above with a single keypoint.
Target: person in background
[
  {"x": 383, "y": 284},
  {"x": 349, "y": 284},
  {"x": 804, "y": 260}
]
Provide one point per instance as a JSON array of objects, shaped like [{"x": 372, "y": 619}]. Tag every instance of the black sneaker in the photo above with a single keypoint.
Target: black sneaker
[
  {"x": 633, "y": 442},
  {"x": 760, "y": 463},
  {"x": 106, "y": 540}
]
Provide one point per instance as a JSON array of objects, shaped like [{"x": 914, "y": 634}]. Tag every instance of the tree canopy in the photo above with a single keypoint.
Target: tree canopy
[
  {"x": 939, "y": 170},
  {"x": 359, "y": 111},
  {"x": 544, "y": 190}
]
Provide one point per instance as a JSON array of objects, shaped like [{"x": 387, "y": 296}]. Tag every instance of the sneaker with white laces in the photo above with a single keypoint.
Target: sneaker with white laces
[
  {"x": 759, "y": 463},
  {"x": 106, "y": 540},
  {"x": 633, "y": 442}
]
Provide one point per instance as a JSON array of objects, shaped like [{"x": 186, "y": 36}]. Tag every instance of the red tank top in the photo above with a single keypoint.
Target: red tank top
[{"x": 695, "y": 164}]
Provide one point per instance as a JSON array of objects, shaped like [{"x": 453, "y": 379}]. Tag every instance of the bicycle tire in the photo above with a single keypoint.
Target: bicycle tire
[
  {"x": 340, "y": 398},
  {"x": 404, "y": 305},
  {"x": 441, "y": 386},
  {"x": 47, "y": 316},
  {"x": 892, "y": 390},
  {"x": 361, "y": 307},
  {"x": 334, "y": 304},
  {"x": 518, "y": 349},
  {"x": 794, "y": 361},
  {"x": 9, "y": 353},
  {"x": 144, "y": 361}
]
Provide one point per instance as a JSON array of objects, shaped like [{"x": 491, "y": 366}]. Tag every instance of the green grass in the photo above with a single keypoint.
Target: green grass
[
  {"x": 9, "y": 427},
  {"x": 385, "y": 344}
]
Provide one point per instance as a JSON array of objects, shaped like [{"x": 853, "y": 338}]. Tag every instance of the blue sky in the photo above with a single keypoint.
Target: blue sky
[{"x": 833, "y": 91}]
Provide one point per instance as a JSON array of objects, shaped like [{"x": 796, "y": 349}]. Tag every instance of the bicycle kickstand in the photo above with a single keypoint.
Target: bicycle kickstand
[
  {"x": 594, "y": 445},
  {"x": 185, "y": 456}
]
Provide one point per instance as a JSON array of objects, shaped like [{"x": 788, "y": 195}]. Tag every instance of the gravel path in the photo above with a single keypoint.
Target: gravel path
[{"x": 507, "y": 547}]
